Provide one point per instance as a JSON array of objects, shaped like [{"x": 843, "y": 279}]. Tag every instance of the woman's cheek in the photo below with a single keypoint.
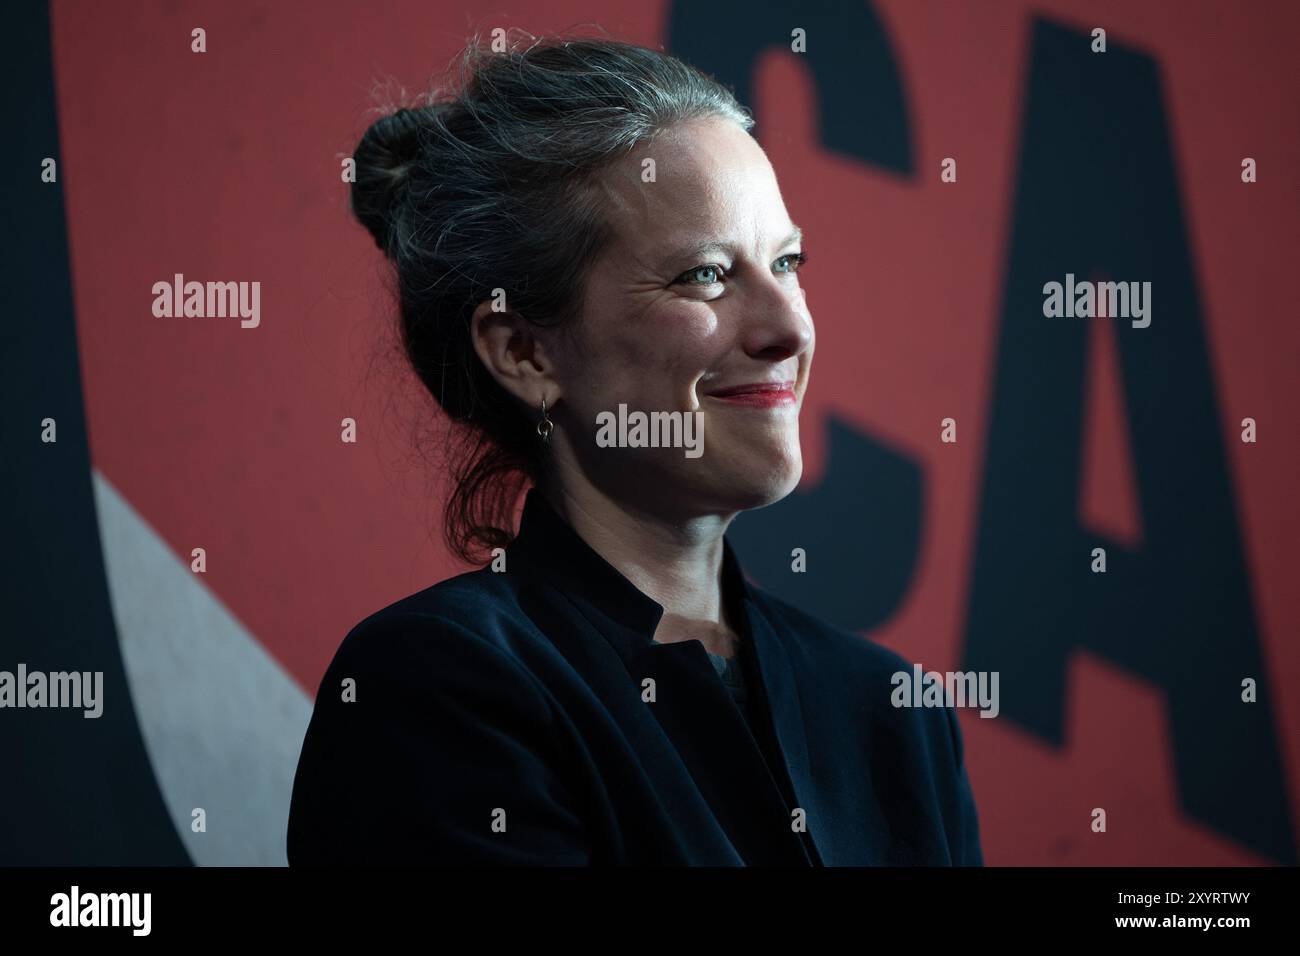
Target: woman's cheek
[{"x": 660, "y": 368}]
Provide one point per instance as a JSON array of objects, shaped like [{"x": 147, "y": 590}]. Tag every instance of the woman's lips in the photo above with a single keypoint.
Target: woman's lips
[{"x": 758, "y": 394}]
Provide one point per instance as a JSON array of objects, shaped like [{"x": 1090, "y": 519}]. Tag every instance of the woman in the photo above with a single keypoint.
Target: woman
[{"x": 586, "y": 231}]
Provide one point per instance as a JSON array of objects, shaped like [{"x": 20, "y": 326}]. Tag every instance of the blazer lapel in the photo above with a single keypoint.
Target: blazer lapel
[
  {"x": 779, "y": 690},
  {"x": 696, "y": 712}
]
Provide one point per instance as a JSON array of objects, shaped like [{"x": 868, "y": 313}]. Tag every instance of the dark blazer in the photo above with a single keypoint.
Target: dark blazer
[{"x": 518, "y": 696}]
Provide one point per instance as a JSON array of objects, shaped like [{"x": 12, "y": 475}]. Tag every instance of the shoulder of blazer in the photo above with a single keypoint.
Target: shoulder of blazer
[
  {"x": 472, "y": 597},
  {"x": 471, "y": 621},
  {"x": 482, "y": 603}
]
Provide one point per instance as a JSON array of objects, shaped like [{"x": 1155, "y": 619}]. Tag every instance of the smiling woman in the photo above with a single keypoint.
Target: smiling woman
[{"x": 579, "y": 226}]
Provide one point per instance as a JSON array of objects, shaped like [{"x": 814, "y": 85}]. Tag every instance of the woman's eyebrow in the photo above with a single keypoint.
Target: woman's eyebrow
[{"x": 705, "y": 247}]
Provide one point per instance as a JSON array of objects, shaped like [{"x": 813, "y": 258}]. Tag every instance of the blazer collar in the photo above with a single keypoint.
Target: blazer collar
[
  {"x": 703, "y": 724},
  {"x": 550, "y": 545}
]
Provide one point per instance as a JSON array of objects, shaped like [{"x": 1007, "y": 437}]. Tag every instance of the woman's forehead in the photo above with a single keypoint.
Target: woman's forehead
[{"x": 694, "y": 185}]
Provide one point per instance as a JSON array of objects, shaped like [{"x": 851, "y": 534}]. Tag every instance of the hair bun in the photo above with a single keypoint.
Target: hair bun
[{"x": 383, "y": 160}]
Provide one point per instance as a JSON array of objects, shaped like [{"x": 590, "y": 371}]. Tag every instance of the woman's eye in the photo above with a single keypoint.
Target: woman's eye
[
  {"x": 687, "y": 277},
  {"x": 796, "y": 260},
  {"x": 713, "y": 273}
]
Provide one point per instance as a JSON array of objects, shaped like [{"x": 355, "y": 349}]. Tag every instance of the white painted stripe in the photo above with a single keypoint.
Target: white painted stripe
[{"x": 223, "y": 722}]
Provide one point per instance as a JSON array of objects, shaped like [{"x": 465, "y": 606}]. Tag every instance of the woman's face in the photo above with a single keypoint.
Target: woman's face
[{"x": 695, "y": 308}]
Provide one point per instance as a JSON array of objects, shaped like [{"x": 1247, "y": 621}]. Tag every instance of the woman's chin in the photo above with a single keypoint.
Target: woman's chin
[{"x": 763, "y": 483}]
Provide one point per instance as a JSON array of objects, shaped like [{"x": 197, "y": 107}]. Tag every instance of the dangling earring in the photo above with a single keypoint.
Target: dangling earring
[{"x": 545, "y": 425}]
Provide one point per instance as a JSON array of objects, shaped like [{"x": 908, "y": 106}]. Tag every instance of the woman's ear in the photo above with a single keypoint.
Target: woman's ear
[{"x": 514, "y": 354}]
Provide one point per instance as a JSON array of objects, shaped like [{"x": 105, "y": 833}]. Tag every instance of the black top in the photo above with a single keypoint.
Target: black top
[
  {"x": 528, "y": 717},
  {"x": 732, "y": 675}
]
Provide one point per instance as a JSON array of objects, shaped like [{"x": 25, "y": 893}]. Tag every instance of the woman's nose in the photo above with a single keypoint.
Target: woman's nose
[{"x": 779, "y": 325}]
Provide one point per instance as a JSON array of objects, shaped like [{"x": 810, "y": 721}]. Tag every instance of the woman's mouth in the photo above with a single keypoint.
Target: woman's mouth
[{"x": 757, "y": 394}]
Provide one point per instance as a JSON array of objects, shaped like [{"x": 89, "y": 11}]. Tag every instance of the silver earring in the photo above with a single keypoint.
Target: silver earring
[{"x": 545, "y": 425}]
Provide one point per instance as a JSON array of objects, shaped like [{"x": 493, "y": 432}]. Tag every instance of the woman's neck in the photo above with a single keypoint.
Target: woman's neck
[{"x": 678, "y": 563}]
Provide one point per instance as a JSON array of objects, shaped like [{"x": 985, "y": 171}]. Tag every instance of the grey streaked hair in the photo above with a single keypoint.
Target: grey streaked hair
[{"x": 487, "y": 183}]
